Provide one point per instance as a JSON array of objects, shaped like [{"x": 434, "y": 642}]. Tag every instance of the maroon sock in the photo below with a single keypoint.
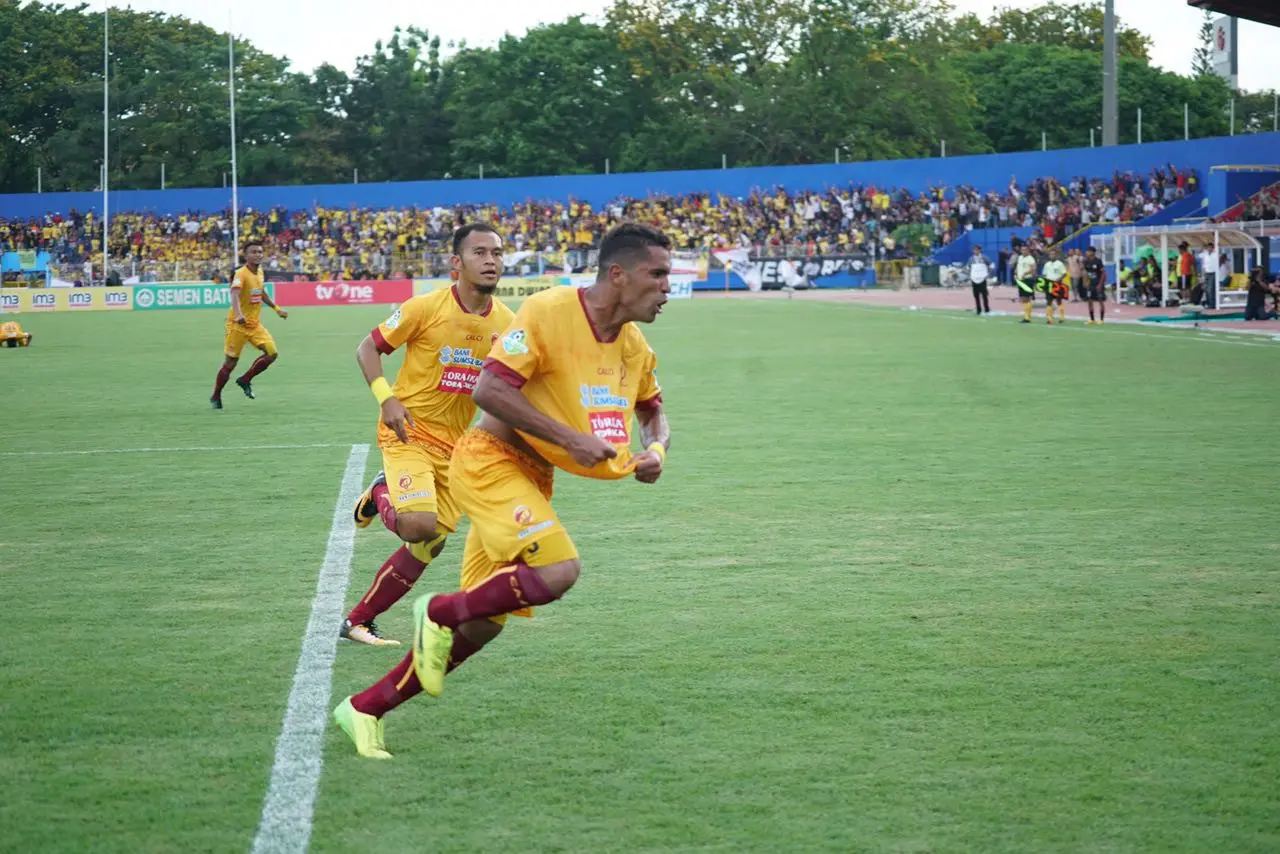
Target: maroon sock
[
  {"x": 394, "y": 579},
  {"x": 259, "y": 365},
  {"x": 402, "y": 683},
  {"x": 461, "y": 650},
  {"x": 382, "y": 498},
  {"x": 390, "y": 691},
  {"x": 509, "y": 590},
  {"x": 224, "y": 374}
]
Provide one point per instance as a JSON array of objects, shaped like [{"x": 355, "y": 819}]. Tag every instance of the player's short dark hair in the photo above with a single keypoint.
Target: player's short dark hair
[
  {"x": 462, "y": 233},
  {"x": 1092, "y": 249},
  {"x": 627, "y": 240},
  {"x": 250, "y": 244}
]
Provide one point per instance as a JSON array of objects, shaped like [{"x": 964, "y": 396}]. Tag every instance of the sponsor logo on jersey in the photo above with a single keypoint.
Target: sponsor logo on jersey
[
  {"x": 514, "y": 343},
  {"x": 610, "y": 426}
]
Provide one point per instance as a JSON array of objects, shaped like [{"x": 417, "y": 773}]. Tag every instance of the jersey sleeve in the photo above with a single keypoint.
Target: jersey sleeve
[
  {"x": 649, "y": 396},
  {"x": 518, "y": 354},
  {"x": 403, "y": 325},
  {"x": 237, "y": 281}
]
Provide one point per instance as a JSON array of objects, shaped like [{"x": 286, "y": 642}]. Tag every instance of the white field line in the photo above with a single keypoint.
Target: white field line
[
  {"x": 285, "y": 827},
  {"x": 92, "y": 452}
]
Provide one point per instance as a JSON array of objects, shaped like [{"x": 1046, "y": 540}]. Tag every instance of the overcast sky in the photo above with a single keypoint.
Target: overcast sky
[{"x": 310, "y": 32}]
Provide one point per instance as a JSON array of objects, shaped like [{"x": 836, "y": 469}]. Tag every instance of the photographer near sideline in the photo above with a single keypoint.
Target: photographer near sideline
[
  {"x": 1255, "y": 307},
  {"x": 979, "y": 270}
]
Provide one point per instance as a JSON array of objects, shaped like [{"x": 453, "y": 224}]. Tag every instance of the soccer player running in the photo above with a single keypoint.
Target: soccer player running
[
  {"x": 446, "y": 335},
  {"x": 1095, "y": 284},
  {"x": 557, "y": 391},
  {"x": 248, "y": 294}
]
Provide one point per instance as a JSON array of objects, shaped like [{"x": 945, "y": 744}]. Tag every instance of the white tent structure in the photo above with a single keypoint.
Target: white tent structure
[{"x": 1123, "y": 244}]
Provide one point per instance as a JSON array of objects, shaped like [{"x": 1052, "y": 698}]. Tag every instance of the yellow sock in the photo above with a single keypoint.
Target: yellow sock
[
  {"x": 1062, "y": 312},
  {"x": 1026, "y": 310},
  {"x": 422, "y": 551}
]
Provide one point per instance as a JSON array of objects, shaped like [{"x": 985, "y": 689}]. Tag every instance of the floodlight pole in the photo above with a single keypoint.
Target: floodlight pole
[
  {"x": 106, "y": 170},
  {"x": 235, "y": 196},
  {"x": 1110, "y": 114}
]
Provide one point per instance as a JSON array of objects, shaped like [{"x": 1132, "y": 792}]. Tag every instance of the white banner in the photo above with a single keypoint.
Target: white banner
[
  {"x": 681, "y": 285},
  {"x": 739, "y": 261}
]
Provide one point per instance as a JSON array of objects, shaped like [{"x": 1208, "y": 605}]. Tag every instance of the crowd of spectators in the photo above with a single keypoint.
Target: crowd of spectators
[
  {"x": 1262, "y": 205},
  {"x": 369, "y": 243}
]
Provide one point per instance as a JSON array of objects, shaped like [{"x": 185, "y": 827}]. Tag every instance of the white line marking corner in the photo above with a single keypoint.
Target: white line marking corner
[{"x": 295, "y": 773}]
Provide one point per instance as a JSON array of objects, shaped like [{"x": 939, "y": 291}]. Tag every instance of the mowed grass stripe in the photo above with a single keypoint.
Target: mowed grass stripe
[{"x": 907, "y": 585}]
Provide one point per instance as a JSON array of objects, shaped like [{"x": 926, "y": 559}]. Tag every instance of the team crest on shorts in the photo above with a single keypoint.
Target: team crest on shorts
[
  {"x": 405, "y": 481},
  {"x": 523, "y": 515}
]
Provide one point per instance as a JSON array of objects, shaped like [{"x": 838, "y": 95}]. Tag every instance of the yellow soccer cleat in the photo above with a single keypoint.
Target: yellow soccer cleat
[
  {"x": 366, "y": 509},
  {"x": 431, "y": 645},
  {"x": 364, "y": 730},
  {"x": 366, "y": 633}
]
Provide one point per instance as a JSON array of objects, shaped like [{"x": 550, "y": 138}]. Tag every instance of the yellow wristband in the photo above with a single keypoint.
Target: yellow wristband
[
  {"x": 659, "y": 449},
  {"x": 381, "y": 390}
]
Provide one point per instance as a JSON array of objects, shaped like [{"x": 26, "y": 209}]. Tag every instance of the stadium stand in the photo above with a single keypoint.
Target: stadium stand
[{"x": 361, "y": 243}]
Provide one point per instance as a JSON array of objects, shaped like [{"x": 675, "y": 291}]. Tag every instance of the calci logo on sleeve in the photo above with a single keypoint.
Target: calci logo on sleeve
[{"x": 606, "y": 413}]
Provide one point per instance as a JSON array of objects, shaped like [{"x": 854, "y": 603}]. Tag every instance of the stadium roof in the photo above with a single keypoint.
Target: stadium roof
[
  {"x": 1228, "y": 235},
  {"x": 1262, "y": 11}
]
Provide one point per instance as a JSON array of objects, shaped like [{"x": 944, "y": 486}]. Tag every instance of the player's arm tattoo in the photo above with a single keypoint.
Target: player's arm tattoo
[
  {"x": 654, "y": 426},
  {"x": 507, "y": 403}
]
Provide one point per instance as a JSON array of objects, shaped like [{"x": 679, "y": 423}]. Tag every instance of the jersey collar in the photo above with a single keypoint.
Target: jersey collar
[
  {"x": 582, "y": 299},
  {"x": 453, "y": 289}
]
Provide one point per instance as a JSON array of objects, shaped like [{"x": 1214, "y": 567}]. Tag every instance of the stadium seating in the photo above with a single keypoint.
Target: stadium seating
[{"x": 375, "y": 243}]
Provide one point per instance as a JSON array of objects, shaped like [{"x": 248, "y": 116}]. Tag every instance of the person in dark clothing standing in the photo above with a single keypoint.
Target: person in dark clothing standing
[
  {"x": 1255, "y": 307},
  {"x": 1095, "y": 285}
]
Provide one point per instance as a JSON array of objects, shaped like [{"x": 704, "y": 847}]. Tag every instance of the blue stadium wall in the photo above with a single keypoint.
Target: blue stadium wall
[
  {"x": 1227, "y": 186},
  {"x": 985, "y": 172}
]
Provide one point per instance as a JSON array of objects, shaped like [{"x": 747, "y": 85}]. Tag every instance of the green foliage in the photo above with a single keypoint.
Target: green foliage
[
  {"x": 1077, "y": 26},
  {"x": 917, "y": 238},
  {"x": 396, "y": 128},
  {"x": 1027, "y": 89},
  {"x": 1201, "y": 62},
  {"x": 661, "y": 84},
  {"x": 558, "y": 100}
]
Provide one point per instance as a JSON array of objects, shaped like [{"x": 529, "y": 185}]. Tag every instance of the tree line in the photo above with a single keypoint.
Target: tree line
[{"x": 656, "y": 84}]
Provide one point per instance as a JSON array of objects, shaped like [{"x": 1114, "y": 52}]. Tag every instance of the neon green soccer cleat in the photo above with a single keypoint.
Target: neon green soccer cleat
[
  {"x": 364, "y": 730},
  {"x": 431, "y": 645}
]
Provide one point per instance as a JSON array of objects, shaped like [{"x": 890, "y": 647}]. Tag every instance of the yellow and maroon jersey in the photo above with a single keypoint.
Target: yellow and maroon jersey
[
  {"x": 253, "y": 286},
  {"x": 445, "y": 346},
  {"x": 553, "y": 353}
]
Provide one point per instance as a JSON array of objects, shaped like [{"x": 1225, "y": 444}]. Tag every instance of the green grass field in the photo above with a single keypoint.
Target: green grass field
[{"x": 911, "y": 582}]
